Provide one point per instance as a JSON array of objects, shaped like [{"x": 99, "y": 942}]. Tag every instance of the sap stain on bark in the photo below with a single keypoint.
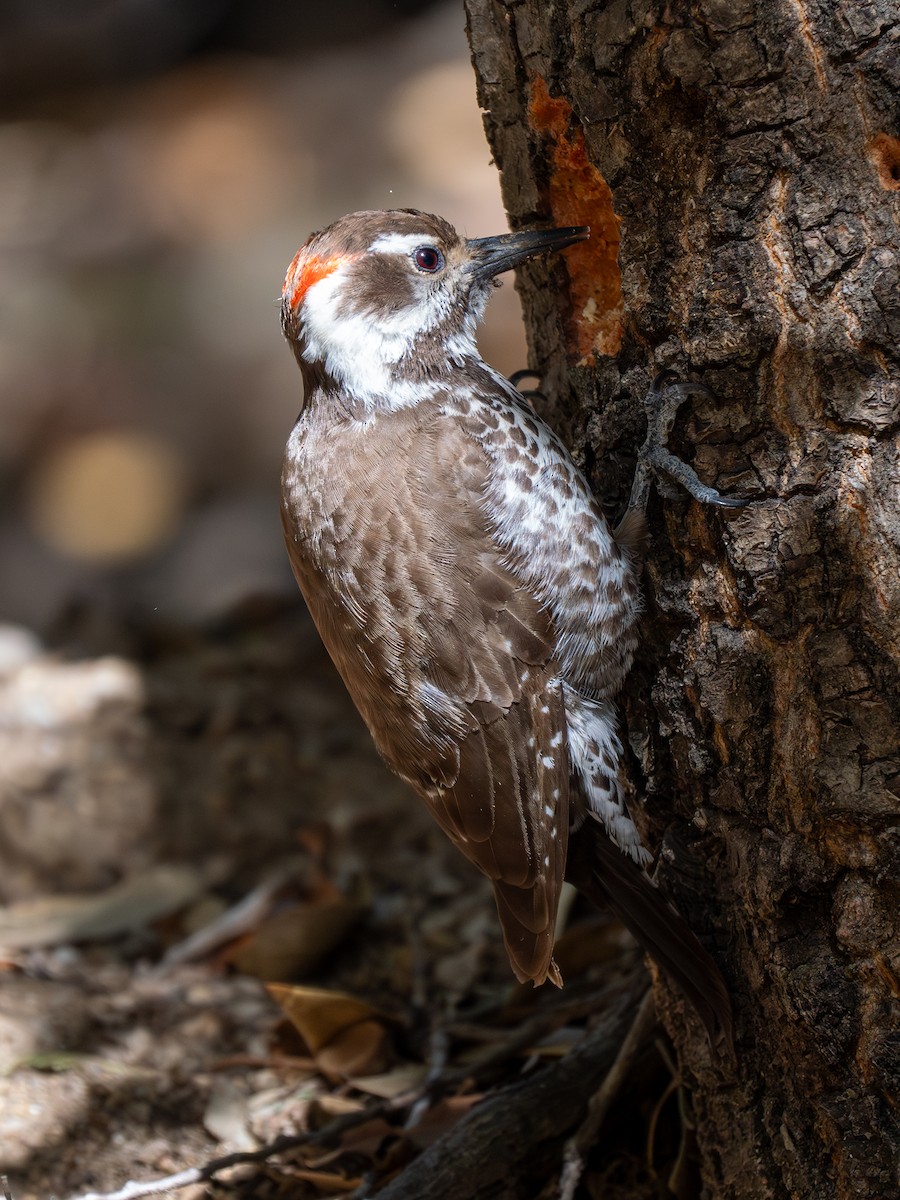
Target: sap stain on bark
[
  {"x": 884, "y": 152},
  {"x": 579, "y": 195}
]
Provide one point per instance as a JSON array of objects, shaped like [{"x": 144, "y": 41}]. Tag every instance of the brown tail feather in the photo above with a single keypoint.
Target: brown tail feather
[{"x": 607, "y": 877}]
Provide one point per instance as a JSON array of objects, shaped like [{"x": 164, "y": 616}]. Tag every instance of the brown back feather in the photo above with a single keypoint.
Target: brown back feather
[{"x": 447, "y": 655}]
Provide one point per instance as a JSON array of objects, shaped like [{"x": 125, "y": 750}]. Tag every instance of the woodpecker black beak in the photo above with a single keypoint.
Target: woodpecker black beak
[{"x": 492, "y": 256}]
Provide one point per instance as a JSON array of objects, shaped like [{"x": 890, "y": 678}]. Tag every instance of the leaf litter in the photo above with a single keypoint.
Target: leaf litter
[{"x": 308, "y": 986}]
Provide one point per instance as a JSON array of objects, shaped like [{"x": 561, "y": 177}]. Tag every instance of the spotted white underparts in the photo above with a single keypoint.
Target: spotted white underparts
[{"x": 582, "y": 576}]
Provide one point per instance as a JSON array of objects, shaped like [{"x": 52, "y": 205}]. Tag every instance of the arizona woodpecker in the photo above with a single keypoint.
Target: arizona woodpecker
[{"x": 479, "y": 608}]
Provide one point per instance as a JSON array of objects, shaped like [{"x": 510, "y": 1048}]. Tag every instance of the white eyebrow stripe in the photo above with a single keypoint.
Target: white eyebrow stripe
[{"x": 401, "y": 243}]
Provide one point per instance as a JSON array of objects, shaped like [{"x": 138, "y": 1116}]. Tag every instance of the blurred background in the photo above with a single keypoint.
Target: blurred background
[
  {"x": 178, "y": 759},
  {"x": 160, "y": 163},
  {"x": 164, "y": 698}
]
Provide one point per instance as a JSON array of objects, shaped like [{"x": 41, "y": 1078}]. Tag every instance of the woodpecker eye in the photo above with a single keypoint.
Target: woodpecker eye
[{"x": 428, "y": 258}]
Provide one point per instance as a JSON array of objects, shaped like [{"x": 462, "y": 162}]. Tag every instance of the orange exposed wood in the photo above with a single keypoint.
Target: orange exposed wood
[
  {"x": 884, "y": 151},
  {"x": 579, "y": 195}
]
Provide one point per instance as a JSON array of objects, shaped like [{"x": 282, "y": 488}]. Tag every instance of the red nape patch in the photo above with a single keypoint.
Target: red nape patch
[{"x": 304, "y": 271}]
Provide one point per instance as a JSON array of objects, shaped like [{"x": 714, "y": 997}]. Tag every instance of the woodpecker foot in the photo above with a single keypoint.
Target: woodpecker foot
[
  {"x": 531, "y": 394},
  {"x": 662, "y": 402}
]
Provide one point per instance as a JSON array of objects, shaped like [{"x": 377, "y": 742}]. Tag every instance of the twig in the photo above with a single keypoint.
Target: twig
[
  {"x": 241, "y": 918},
  {"x": 671, "y": 1087},
  {"x": 341, "y": 1124},
  {"x": 566, "y": 1080},
  {"x": 515, "y": 1133},
  {"x": 364, "y": 1189},
  {"x": 585, "y": 1136},
  {"x": 272, "y": 1062},
  {"x": 434, "y": 1086},
  {"x": 4, "y": 1183},
  {"x": 527, "y": 1034}
]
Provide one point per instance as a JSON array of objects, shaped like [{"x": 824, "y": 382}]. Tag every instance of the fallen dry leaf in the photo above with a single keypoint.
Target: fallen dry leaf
[
  {"x": 346, "y": 1036},
  {"x": 319, "y": 1014},
  {"x": 225, "y": 925},
  {"x": 390, "y": 1084},
  {"x": 294, "y": 941},
  {"x": 226, "y": 1116},
  {"x": 326, "y": 1180},
  {"x": 132, "y": 904},
  {"x": 358, "y": 1049}
]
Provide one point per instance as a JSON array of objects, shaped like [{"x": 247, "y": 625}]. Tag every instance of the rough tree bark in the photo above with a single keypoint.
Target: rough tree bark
[{"x": 739, "y": 163}]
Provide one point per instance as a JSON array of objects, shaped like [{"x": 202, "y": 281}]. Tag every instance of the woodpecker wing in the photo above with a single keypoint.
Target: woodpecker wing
[
  {"x": 504, "y": 801},
  {"x": 447, "y": 654}
]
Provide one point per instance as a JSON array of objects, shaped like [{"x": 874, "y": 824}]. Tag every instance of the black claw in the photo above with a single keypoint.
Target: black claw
[
  {"x": 530, "y": 394},
  {"x": 721, "y": 501},
  {"x": 680, "y": 387},
  {"x": 517, "y": 376},
  {"x": 663, "y": 400}
]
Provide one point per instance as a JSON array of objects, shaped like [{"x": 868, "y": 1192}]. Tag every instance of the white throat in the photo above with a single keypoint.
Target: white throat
[{"x": 362, "y": 354}]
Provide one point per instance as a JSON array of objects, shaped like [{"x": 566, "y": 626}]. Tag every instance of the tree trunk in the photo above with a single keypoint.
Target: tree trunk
[{"x": 739, "y": 163}]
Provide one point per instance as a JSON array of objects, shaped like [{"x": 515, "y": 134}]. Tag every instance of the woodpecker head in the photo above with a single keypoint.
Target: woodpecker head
[{"x": 382, "y": 300}]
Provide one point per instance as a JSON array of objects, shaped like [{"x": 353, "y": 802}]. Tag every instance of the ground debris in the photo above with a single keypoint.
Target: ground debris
[{"x": 145, "y": 1045}]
